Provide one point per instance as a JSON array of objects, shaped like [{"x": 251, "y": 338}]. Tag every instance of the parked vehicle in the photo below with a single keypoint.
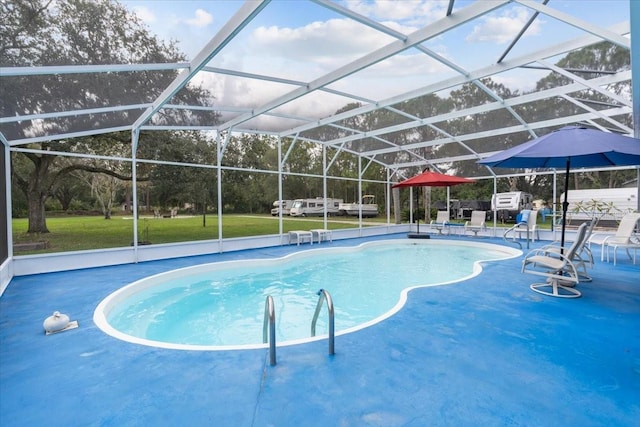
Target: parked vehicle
[
  {"x": 286, "y": 207},
  {"x": 461, "y": 209},
  {"x": 368, "y": 206},
  {"x": 314, "y": 207},
  {"x": 508, "y": 205},
  {"x": 604, "y": 204}
]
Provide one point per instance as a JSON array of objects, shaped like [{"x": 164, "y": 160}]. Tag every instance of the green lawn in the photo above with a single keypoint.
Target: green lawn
[
  {"x": 73, "y": 233},
  {"x": 94, "y": 232}
]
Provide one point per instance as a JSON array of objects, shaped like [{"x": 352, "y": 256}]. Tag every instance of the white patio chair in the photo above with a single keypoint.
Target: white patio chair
[
  {"x": 624, "y": 238},
  {"x": 441, "y": 223},
  {"x": 476, "y": 223},
  {"x": 560, "y": 271}
]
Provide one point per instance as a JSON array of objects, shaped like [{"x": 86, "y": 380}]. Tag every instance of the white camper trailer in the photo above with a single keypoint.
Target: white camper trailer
[
  {"x": 368, "y": 207},
  {"x": 286, "y": 207},
  {"x": 508, "y": 205},
  {"x": 314, "y": 207},
  {"x": 605, "y": 204}
]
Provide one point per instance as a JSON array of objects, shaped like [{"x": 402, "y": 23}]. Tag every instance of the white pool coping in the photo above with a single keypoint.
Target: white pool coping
[{"x": 105, "y": 307}]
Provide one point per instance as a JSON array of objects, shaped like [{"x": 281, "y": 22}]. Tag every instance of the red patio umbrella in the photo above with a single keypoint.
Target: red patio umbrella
[{"x": 432, "y": 179}]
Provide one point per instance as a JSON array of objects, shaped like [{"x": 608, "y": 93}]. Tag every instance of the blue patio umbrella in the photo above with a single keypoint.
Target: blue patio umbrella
[{"x": 570, "y": 146}]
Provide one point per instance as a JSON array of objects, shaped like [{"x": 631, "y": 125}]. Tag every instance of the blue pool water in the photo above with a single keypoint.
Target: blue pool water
[{"x": 222, "y": 304}]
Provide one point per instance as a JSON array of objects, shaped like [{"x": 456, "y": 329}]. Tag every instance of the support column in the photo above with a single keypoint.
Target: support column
[
  {"x": 634, "y": 14},
  {"x": 135, "y": 137}
]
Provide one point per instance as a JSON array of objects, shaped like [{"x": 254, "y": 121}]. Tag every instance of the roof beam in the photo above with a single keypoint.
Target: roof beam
[
  {"x": 58, "y": 137},
  {"x": 596, "y": 113},
  {"x": 361, "y": 19},
  {"x": 429, "y": 52},
  {"x": 523, "y": 99},
  {"x": 520, "y": 34},
  {"x": 245, "y": 14},
  {"x": 84, "y": 69},
  {"x": 505, "y": 131},
  {"x": 578, "y": 23},
  {"x": 44, "y": 116},
  {"x": 450, "y": 7},
  {"x": 586, "y": 83},
  {"x": 433, "y": 30},
  {"x": 462, "y": 157},
  {"x": 458, "y": 80}
]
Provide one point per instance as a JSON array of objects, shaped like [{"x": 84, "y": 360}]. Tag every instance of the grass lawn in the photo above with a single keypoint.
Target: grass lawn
[{"x": 73, "y": 233}]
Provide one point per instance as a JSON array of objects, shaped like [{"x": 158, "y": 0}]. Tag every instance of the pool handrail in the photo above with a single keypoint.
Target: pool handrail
[
  {"x": 270, "y": 321},
  {"x": 324, "y": 295}
]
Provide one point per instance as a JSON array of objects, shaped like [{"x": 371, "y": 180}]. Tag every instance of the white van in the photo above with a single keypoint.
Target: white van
[{"x": 314, "y": 207}]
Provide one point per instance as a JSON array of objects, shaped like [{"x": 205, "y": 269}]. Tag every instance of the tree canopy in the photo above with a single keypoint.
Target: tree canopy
[{"x": 44, "y": 33}]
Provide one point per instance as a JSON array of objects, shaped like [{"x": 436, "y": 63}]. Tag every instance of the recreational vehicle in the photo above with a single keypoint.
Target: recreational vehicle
[
  {"x": 314, "y": 207},
  {"x": 508, "y": 205},
  {"x": 461, "y": 209},
  {"x": 286, "y": 207},
  {"x": 368, "y": 207},
  {"x": 605, "y": 204}
]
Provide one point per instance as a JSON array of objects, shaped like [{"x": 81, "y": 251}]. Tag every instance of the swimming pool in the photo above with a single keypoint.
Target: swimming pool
[{"x": 221, "y": 305}]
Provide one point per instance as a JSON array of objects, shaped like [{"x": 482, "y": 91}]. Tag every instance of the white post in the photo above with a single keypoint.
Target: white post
[{"x": 135, "y": 137}]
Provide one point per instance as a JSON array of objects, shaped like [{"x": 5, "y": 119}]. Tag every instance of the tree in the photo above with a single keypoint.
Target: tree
[
  {"x": 68, "y": 189},
  {"x": 104, "y": 188},
  {"x": 79, "y": 32}
]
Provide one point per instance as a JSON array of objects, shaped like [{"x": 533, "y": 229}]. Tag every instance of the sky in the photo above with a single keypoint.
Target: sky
[{"x": 302, "y": 40}]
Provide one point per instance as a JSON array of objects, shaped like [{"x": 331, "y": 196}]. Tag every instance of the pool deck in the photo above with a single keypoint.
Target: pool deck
[{"x": 484, "y": 352}]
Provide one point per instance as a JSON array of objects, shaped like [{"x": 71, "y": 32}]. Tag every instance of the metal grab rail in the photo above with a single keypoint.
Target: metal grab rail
[
  {"x": 270, "y": 321},
  {"x": 515, "y": 230},
  {"x": 324, "y": 295}
]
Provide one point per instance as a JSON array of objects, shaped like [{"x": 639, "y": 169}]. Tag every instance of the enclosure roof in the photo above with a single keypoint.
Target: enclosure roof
[{"x": 289, "y": 69}]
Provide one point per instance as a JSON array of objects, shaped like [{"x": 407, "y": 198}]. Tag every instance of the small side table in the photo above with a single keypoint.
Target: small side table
[
  {"x": 300, "y": 237},
  {"x": 321, "y": 234}
]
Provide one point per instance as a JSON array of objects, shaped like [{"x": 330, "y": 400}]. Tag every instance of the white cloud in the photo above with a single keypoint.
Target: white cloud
[
  {"x": 329, "y": 42},
  {"x": 410, "y": 12},
  {"x": 504, "y": 27},
  {"x": 202, "y": 19},
  {"x": 308, "y": 52},
  {"x": 399, "y": 66},
  {"x": 145, "y": 14}
]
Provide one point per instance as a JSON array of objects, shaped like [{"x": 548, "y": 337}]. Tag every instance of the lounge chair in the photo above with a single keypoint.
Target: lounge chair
[
  {"x": 560, "y": 271},
  {"x": 441, "y": 222},
  {"x": 476, "y": 223},
  {"x": 624, "y": 238},
  {"x": 582, "y": 257}
]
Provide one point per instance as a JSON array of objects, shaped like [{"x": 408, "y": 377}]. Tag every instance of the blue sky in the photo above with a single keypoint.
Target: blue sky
[
  {"x": 182, "y": 19},
  {"x": 302, "y": 40}
]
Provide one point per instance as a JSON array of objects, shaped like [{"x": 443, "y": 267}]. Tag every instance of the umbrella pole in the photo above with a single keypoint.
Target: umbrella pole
[
  {"x": 418, "y": 210},
  {"x": 565, "y": 204}
]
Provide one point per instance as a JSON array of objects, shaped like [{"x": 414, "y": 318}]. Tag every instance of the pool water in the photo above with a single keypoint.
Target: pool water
[{"x": 223, "y": 304}]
